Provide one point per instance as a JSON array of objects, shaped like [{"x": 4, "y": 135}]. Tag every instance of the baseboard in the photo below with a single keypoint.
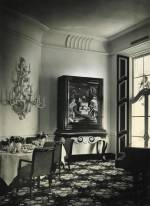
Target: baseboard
[{"x": 83, "y": 157}]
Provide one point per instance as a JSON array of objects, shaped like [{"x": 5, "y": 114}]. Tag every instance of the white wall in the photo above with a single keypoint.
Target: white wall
[
  {"x": 61, "y": 61},
  {"x": 22, "y": 36},
  {"x": 18, "y": 38}
]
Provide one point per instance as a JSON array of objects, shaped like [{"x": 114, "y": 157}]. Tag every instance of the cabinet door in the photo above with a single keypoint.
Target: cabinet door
[
  {"x": 80, "y": 103},
  {"x": 122, "y": 103}
]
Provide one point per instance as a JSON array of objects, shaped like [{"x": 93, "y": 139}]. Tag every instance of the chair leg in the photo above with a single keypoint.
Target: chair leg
[
  {"x": 68, "y": 164},
  {"x": 17, "y": 187},
  {"x": 145, "y": 183},
  {"x": 61, "y": 163},
  {"x": 59, "y": 167},
  {"x": 30, "y": 191},
  {"x": 50, "y": 180},
  {"x": 38, "y": 182},
  {"x": 135, "y": 183},
  {"x": 30, "y": 187}
]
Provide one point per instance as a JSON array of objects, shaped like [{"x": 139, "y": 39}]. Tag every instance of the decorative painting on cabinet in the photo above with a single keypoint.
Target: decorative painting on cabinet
[{"x": 80, "y": 103}]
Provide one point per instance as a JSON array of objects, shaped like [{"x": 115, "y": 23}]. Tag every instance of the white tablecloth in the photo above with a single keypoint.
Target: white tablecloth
[{"x": 9, "y": 164}]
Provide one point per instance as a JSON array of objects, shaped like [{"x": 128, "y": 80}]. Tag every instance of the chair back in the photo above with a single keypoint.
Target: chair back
[
  {"x": 57, "y": 152},
  {"x": 1, "y": 146},
  {"x": 29, "y": 140},
  {"x": 134, "y": 159},
  {"x": 139, "y": 157},
  {"x": 42, "y": 161},
  {"x": 49, "y": 145}
]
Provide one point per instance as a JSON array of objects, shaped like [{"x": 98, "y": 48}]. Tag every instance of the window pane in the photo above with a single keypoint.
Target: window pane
[
  {"x": 138, "y": 126},
  {"x": 149, "y": 144},
  {"x": 147, "y": 65},
  {"x": 149, "y": 108},
  {"x": 138, "y": 67},
  {"x": 141, "y": 67},
  {"x": 137, "y": 83},
  {"x": 149, "y": 126},
  {"x": 137, "y": 142},
  {"x": 138, "y": 108}
]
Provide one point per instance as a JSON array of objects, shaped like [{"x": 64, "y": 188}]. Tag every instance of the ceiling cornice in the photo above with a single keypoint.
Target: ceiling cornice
[
  {"x": 24, "y": 17},
  {"x": 50, "y": 46},
  {"x": 78, "y": 34},
  {"x": 137, "y": 50},
  {"x": 128, "y": 30}
]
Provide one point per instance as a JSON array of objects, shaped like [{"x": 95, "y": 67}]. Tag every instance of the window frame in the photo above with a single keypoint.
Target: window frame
[{"x": 132, "y": 66}]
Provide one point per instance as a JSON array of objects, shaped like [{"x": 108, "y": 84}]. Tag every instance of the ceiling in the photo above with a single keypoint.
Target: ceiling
[{"x": 99, "y": 18}]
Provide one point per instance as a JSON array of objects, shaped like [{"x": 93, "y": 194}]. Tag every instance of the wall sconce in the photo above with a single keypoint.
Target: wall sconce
[{"x": 21, "y": 97}]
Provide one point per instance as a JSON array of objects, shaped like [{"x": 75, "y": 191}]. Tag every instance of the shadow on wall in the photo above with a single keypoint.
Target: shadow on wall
[{"x": 48, "y": 115}]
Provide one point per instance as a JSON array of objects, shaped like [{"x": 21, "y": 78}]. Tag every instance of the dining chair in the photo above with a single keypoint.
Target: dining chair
[
  {"x": 68, "y": 144},
  {"x": 1, "y": 145},
  {"x": 29, "y": 140},
  {"x": 57, "y": 145},
  {"x": 41, "y": 165},
  {"x": 135, "y": 161},
  {"x": 49, "y": 144},
  {"x": 57, "y": 157},
  {"x": 4, "y": 188}
]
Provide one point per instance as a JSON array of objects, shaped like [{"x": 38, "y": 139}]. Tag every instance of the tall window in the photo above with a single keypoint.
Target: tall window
[{"x": 140, "y": 79}]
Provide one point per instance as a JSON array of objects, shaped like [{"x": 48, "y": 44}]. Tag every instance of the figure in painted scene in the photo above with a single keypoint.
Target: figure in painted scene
[{"x": 83, "y": 110}]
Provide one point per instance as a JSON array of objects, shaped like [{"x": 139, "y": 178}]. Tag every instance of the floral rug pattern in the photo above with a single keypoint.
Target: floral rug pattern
[{"x": 88, "y": 183}]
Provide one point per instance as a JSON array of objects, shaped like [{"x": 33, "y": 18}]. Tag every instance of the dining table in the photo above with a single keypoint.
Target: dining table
[{"x": 9, "y": 164}]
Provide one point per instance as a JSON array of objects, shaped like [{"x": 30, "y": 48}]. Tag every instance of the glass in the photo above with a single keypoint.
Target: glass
[
  {"x": 138, "y": 67},
  {"x": 146, "y": 65},
  {"x": 138, "y": 108},
  {"x": 141, "y": 68},
  {"x": 137, "y": 142},
  {"x": 149, "y": 126},
  {"x": 149, "y": 107},
  {"x": 138, "y": 126},
  {"x": 137, "y": 83}
]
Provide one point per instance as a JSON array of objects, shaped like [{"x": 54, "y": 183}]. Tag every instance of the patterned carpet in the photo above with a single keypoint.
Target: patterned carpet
[{"x": 88, "y": 183}]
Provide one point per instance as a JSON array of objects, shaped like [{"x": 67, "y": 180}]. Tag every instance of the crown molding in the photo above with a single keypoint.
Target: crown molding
[
  {"x": 45, "y": 28},
  {"x": 46, "y": 45},
  {"x": 137, "y": 50},
  {"x": 78, "y": 34},
  {"x": 128, "y": 30},
  {"x": 73, "y": 41},
  {"x": 25, "y": 18},
  {"x": 22, "y": 35},
  {"x": 21, "y": 25}
]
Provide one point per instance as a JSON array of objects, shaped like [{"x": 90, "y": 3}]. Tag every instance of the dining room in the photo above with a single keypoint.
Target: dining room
[{"x": 68, "y": 70}]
